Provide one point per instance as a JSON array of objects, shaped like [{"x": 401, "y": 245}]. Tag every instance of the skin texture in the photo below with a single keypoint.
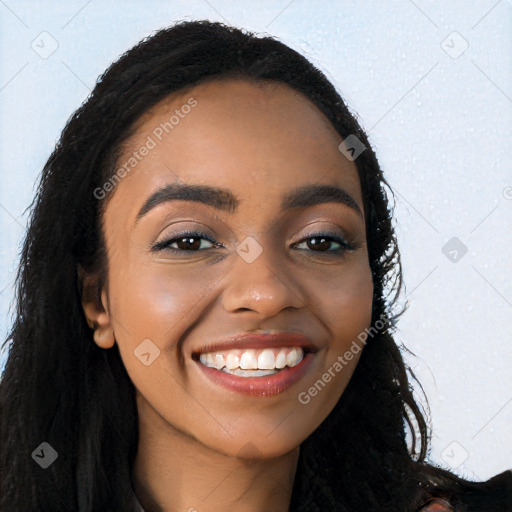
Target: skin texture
[{"x": 260, "y": 141}]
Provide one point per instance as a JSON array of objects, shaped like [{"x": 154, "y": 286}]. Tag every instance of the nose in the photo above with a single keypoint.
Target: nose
[{"x": 262, "y": 284}]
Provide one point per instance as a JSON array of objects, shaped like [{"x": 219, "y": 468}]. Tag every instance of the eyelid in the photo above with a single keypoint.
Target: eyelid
[
  {"x": 333, "y": 229},
  {"x": 183, "y": 227}
]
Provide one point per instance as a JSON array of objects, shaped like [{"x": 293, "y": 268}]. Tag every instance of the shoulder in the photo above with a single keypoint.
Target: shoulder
[
  {"x": 447, "y": 492},
  {"x": 436, "y": 505}
]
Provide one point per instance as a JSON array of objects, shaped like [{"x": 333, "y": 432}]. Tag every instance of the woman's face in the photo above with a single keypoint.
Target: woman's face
[{"x": 252, "y": 255}]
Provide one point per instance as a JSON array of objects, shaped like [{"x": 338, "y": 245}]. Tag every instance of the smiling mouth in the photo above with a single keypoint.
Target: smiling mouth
[{"x": 252, "y": 362}]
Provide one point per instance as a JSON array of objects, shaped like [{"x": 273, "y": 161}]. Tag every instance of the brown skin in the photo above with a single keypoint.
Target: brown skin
[{"x": 259, "y": 140}]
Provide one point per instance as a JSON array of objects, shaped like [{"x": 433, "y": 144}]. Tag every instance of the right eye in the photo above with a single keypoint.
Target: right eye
[{"x": 322, "y": 243}]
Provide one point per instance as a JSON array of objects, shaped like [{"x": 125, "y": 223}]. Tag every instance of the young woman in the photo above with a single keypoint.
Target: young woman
[{"x": 205, "y": 301}]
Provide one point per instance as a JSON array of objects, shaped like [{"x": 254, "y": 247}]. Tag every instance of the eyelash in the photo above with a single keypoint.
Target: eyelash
[{"x": 164, "y": 245}]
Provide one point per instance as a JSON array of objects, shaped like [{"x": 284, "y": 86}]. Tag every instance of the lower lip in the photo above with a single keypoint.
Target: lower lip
[{"x": 270, "y": 385}]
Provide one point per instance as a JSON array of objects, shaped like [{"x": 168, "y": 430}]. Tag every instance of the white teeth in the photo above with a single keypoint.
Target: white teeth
[
  {"x": 294, "y": 357},
  {"x": 248, "y": 361},
  {"x": 281, "y": 360},
  {"x": 265, "y": 361},
  {"x": 232, "y": 361},
  {"x": 207, "y": 360},
  {"x": 219, "y": 361}
]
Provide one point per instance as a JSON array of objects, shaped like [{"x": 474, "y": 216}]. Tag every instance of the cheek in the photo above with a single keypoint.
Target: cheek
[
  {"x": 348, "y": 307},
  {"x": 157, "y": 298},
  {"x": 343, "y": 301},
  {"x": 345, "y": 306},
  {"x": 152, "y": 305}
]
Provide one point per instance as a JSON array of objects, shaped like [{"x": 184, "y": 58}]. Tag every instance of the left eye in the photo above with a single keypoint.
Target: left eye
[{"x": 185, "y": 242}]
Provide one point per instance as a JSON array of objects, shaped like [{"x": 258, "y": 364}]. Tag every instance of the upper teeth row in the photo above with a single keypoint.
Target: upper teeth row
[{"x": 251, "y": 359}]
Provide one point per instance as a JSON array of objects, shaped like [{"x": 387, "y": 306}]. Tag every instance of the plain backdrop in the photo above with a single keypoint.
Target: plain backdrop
[{"x": 430, "y": 81}]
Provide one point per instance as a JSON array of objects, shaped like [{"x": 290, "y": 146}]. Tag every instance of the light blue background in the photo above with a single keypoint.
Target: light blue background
[{"x": 441, "y": 127}]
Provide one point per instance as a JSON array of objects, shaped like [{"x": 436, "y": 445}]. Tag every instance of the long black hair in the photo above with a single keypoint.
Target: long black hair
[{"x": 60, "y": 388}]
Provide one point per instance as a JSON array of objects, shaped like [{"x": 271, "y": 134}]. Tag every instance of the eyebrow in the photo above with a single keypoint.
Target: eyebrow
[{"x": 223, "y": 199}]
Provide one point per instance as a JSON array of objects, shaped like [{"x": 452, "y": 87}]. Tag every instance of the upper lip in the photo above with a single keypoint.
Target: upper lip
[{"x": 259, "y": 341}]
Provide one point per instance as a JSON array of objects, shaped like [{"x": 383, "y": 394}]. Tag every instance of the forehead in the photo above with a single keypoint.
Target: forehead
[
  {"x": 253, "y": 137},
  {"x": 239, "y": 98}
]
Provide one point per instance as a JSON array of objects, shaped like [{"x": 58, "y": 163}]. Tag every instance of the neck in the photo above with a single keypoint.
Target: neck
[{"x": 175, "y": 472}]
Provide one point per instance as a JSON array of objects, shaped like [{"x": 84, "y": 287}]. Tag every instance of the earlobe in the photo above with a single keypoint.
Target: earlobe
[
  {"x": 104, "y": 336},
  {"x": 103, "y": 331},
  {"x": 95, "y": 308}
]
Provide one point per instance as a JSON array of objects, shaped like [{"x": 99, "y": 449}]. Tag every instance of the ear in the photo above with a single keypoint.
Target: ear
[{"x": 95, "y": 306}]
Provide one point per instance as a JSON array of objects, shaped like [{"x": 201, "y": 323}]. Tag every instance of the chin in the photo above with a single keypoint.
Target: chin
[{"x": 251, "y": 446}]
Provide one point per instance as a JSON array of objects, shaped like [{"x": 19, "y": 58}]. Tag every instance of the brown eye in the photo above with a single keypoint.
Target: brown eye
[
  {"x": 323, "y": 243},
  {"x": 186, "y": 242}
]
